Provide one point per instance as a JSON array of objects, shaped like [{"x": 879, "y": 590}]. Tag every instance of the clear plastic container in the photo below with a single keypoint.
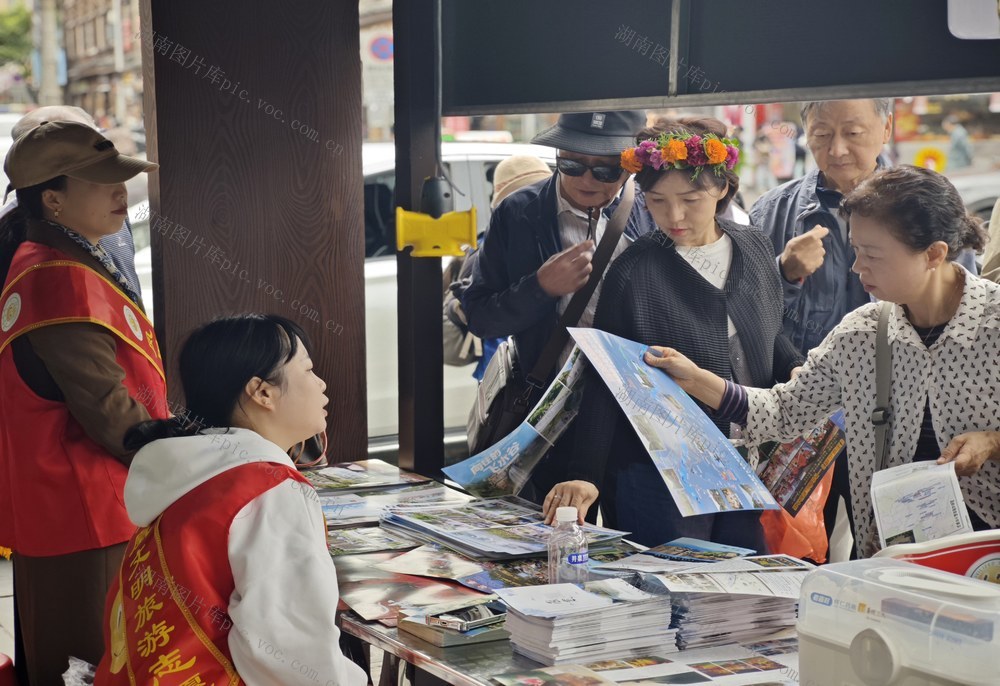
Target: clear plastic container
[
  {"x": 567, "y": 549},
  {"x": 882, "y": 622}
]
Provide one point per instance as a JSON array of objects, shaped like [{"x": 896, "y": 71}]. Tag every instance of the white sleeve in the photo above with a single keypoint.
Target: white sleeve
[
  {"x": 788, "y": 410},
  {"x": 285, "y": 601}
]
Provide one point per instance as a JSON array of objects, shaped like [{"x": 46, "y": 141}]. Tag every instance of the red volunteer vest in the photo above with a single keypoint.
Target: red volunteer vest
[
  {"x": 166, "y": 618},
  {"x": 60, "y": 492}
]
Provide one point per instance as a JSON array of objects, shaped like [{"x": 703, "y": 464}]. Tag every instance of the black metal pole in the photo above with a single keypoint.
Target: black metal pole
[{"x": 421, "y": 359}]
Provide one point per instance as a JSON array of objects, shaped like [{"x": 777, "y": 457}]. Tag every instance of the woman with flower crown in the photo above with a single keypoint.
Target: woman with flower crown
[{"x": 708, "y": 286}]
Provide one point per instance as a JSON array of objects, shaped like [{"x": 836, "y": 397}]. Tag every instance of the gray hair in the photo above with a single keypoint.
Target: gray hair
[{"x": 883, "y": 108}]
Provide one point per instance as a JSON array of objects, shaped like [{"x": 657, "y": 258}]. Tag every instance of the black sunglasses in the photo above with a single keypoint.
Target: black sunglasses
[{"x": 603, "y": 172}]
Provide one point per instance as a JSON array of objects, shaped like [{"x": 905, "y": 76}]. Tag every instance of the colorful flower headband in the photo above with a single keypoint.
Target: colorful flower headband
[{"x": 683, "y": 151}]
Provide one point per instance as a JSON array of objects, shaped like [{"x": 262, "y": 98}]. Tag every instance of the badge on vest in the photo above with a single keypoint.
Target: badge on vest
[
  {"x": 11, "y": 311},
  {"x": 133, "y": 322}
]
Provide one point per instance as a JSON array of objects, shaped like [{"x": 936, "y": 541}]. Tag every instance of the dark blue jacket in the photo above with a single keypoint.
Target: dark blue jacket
[
  {"x": 813, "y": 309},
  {"x": 503, "y": 297}
]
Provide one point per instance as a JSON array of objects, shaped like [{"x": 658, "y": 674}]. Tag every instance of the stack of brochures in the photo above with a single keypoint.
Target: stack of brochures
[
  {"x": 361, "y": 475},
  {"x": 678, "y": 555},
  {"x": 489, "y": 529},
  {"x": 734, "y": 600},
  {"x": 355, "y": 508},
  {"x": 605, "y": 620}
]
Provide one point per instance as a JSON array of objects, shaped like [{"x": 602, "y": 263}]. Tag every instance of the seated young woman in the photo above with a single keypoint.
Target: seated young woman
[{"x": 228, "y": 579}]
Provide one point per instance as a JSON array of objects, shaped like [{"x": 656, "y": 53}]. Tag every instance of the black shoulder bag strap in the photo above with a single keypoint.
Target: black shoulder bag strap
[
  {"x": 883, "y": 381},
  {"x": 578, "y": 303}
]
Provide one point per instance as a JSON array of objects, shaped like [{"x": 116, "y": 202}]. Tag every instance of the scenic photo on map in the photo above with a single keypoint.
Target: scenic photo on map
[{"x": 702, "y": 470}]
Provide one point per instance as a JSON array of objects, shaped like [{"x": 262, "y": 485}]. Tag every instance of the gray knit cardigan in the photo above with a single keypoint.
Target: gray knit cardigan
[{"x": 654, "y": 296}]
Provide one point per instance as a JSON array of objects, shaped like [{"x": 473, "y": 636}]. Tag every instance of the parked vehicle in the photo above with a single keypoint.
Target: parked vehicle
[
  {"x": 979, "y": 191},
  {"x": 470, "y": 166}
]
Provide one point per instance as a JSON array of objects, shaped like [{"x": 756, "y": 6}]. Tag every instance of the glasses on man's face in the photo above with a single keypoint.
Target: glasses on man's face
[{"x": 602, "y": 172}]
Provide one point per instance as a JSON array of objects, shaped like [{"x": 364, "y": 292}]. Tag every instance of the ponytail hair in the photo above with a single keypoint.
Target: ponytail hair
[
  {"x": 217, "y": 361},
  {"x": 154, "y": 429},
  {"x": 14, "y": 224}
]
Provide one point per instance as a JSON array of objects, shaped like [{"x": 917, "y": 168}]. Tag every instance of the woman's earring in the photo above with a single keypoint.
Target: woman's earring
[{"x": 57, "y": 212}]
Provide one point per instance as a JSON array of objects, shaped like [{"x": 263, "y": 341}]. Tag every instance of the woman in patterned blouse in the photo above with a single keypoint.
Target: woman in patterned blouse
[{"x": 907, "y": 225}]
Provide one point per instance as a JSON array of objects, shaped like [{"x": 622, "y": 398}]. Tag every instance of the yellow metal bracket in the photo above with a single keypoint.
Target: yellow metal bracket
[{"x": 430, "y": 237}]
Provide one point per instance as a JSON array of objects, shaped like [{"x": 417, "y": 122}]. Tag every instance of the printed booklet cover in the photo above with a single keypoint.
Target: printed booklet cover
[{"x": 702, "y": 470}]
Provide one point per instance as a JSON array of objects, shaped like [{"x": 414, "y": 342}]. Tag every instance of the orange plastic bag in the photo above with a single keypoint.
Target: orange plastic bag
[{"x": 804, "y": 535}]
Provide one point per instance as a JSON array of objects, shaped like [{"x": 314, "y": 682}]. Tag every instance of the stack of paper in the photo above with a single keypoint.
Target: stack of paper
[
  {"x": 735, "y": 600},
  {"x": 492, "y": 529},
  {"x": 364, "y": 474},
  {"x": 367, "y": 539},
  {"x": 378, "y": 595},
  {"x": 679, "y": 554},
  {"x": 353, "y": 509},
  {"x": 607, "y": 619}
]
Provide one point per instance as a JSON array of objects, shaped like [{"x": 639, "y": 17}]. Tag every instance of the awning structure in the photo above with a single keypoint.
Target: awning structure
[
  {"x": 254, "y": 117},
  {"x": 516, "y": 56},
  {"x": 558, "y": 55}
]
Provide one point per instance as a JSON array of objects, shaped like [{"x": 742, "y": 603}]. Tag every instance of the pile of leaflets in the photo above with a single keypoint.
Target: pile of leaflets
[
  {"x": 367, "y": 539},
  {"x": 734, "y": 600},
  {"x": 773, "y": 662},
  {"x": 604, "y": 620},
  {"x": 678, "y": 555},
  {"x": 491, "y": 529},
  {"x": 364, "y": 508},
  {"x": 364, "y": 474},
  {"x": 377, "y": 594}
]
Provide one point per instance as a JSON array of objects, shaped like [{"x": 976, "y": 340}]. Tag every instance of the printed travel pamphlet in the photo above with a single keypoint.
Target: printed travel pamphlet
[
  {"x": 504, "y": 468},
  {"x": 495, "y": 528},
  {"x": 369, "y": 539},
  {"x": 702, "y": 470},
  {"x": 605, "y": 619},
  {"x": 793, "y": 470},
  {"x": 352, "y": 509},
  {"x": 378, "y": 595},
  {"x": 349, "y": 476},
  {"x": 918, "y": 502},
  {"x": 678, "y": 554}
]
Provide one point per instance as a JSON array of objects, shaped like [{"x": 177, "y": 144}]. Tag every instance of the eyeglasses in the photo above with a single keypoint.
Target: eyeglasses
[{"x": 603, "y": 172}]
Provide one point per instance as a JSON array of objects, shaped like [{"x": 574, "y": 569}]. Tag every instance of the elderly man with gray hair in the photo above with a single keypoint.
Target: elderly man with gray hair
[
  {"x": 119, "y": 246},
  {"x": 810, "y": 238}
]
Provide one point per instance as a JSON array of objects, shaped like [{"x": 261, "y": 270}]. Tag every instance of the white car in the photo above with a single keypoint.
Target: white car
[
  {"x": 979, "y": 191},
  {"x": 470, "y": 166}
]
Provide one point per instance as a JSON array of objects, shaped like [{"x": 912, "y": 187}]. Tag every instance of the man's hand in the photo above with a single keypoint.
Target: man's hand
[
  {"x": 804, "y": 254},
  {"x": 969, "y": 451},
  {"x": 568, "y": 271},
  {"x": 578, "y": 494}
]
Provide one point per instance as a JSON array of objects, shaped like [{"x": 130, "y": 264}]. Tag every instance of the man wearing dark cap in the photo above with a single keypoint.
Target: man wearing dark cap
[{"x": 538, "y": 247}]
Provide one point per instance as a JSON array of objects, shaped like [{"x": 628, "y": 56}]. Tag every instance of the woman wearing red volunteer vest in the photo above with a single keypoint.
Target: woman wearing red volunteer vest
[
  {"x": 79, "y": 365},
  {"x": 228, "y": 579}
]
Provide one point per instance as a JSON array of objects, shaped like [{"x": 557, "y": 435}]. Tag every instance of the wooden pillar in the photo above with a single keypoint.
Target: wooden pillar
[{"x": 253, "y": 112}]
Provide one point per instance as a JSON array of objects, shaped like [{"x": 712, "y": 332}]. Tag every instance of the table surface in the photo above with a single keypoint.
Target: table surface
[{"x": 469, "y": 665}]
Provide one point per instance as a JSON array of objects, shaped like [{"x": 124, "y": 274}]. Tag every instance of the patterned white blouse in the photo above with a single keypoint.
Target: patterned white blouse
[{"x": 960, "y": 373}]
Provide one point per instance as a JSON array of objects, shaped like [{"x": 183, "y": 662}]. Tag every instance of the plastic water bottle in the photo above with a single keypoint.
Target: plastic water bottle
[{"x": 567, "y": 549}]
